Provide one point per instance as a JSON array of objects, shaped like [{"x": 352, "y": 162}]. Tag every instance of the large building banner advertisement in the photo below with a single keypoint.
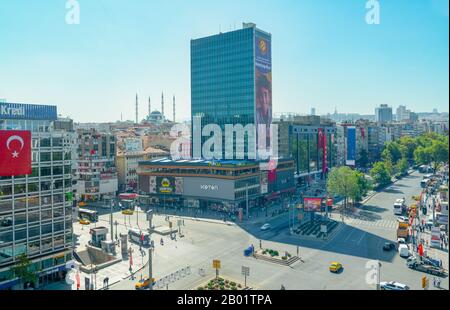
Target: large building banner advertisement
[
  {"x": 351, "y": 147},
  {"x": 263, "y": 88}
]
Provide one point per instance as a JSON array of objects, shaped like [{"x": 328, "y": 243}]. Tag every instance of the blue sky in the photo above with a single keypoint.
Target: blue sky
[{"x": 324, "y": 53}]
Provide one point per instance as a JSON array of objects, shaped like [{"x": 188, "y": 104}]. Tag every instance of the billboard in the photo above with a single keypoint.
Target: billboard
[
  {"x": 263, "y": 87},
  {"x": 312, "y": 204},
  {"x": 166, "y": 185},
  {"x": 133, "y": 145},
  {"x": 350, "y": 154},
  {"x": 27, "y": 111},
  {"x": 209, "y": 188}
]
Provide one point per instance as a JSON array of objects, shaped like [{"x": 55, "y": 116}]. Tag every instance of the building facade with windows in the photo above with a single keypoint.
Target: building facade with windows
[
  {"x": 36, "y": 209},
  {"x": 96, "y": 175},
  {"x": 213, "y": 185},
  {"x": 231, "y": 84},
  {"x": 311, "y": 142}
]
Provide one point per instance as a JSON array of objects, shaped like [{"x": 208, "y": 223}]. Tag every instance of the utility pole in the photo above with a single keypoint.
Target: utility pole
[
  {"x": 378, "y": 275},
  {"x": 246, "y": 199},
  {"x": 150, "y": 249},
  {"x": 111, "y": 219}
]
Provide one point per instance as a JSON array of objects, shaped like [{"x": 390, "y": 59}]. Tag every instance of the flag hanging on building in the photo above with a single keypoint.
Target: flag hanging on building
[{"x": 15, "y": 152}]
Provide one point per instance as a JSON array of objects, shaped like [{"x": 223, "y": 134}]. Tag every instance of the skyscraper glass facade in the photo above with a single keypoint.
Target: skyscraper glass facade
[{"x": 223, "y": 79}]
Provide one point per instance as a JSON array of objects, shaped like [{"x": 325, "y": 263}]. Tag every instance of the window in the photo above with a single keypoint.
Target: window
[
  {"x": 20, "y": 234},
  {"x": 46, "y": 156},
  {"x": 34, "y": 232}
]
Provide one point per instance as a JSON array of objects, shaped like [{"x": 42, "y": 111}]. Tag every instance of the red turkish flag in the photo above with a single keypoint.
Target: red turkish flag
[{"x": 15, "y": 152}]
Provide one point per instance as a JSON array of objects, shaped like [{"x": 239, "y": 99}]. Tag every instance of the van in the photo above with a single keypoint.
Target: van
[{"x": 403, "y": 250}]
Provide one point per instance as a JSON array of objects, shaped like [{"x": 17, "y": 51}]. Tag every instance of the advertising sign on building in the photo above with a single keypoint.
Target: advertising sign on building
[
  {"x": 166, "y": 185},
  {"x": 350, "y": 153},
  {"x": 312, "y": 204},
  {"x": 133, "y": 145},
  {"x": 27, "y": 111},
  {"x": 263, "y": 86}
]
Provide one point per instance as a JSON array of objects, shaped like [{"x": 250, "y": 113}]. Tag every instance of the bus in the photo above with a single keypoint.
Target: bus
[
  {"x": 135, "y": 235},
  {"x": 90, "y": 215}
]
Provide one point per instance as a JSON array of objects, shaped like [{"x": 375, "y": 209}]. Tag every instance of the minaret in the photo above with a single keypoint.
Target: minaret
[
  {"x": 149, "y": 107},
  {"x": 162, "y": 105},
  {"x": 174, "y": 108},
  {"x": 137, "y": 117}
]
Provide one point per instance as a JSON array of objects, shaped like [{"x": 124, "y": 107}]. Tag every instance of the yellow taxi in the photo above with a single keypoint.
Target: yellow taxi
[
  {"x": 82, "y": 204},
  {"x": 144, "y": 283},
  {"x": 84, "y": 222},
  {"x": 127, "y": 212},
  {"x": 335, "y": 267}
]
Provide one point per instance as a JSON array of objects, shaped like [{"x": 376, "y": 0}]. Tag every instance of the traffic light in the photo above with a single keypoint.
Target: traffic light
[{"x": 424, "y": 282}]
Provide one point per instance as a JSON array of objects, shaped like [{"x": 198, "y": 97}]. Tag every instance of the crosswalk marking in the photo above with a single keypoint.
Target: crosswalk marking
[{"x": 378, "y": 223}]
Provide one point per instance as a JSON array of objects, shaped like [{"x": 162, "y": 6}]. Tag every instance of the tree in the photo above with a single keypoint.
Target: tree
[
  {"x": 363, "y": 186},
  {"x": 409, "y": 145},
  {"x": 380, "y": 174},
  {"x": 363, "y": 159},
  {"x": 402, "y": 166},
  {"x": 395, "y": 151},
  {"x": 343, "y": 182},
  {"x": 22, "y": 270}
]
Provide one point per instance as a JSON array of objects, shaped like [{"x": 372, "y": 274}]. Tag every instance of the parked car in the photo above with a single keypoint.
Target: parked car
[
  {"x": 388, "y": 246},
  {"x": 266, "y": 226},
  {"x": 393, "y": 286}
]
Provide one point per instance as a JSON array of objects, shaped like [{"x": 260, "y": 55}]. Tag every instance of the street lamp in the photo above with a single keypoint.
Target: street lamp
[{"x": 378, "y": 275}]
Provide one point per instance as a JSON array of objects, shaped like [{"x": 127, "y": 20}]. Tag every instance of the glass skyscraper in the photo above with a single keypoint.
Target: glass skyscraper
[
  {"x": 225, "y": 71},
  {"x": 36, "y": 209}
]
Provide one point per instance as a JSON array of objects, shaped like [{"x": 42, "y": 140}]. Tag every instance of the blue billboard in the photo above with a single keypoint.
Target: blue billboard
[
  {"x": 27, "y": 111},
  {"x": 350, "y": 158}
]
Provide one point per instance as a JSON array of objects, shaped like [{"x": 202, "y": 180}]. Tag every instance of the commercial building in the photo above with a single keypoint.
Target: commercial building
[
  {"x": 310, "y": 141},
  {"x": 36, "y": 209},
  {"x": 127, "y": 164},
  {"x": 231, "y": 83},
  {"x": 224, "y": 186},
  {"x": 383, "y": 113},
  {"x": 96, "y": 176}
]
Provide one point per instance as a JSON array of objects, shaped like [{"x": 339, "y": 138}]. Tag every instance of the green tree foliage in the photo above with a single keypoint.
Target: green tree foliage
[
  {"x": 363, "y": 159},
  {"x": 381, "y": 174},
  {"x": 402, "y": 166},
  {"x": 394, "y": 151},
  {"x": 348, "y": 183},
  {"x": 22, "y": 270}
]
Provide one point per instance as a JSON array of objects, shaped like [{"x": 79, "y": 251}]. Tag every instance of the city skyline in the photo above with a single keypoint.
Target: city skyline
[{"x": 116, "y": 52}]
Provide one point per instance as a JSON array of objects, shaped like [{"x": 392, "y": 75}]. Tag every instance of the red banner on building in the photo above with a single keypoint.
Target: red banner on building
[{"x": 15, "y": 152}]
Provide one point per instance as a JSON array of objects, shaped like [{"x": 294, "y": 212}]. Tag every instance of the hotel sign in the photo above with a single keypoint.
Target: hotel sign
[{"x": 27, "y": 111}]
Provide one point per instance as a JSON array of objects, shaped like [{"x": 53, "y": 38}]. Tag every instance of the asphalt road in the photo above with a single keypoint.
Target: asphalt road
[{"x": 357, "y": 245}]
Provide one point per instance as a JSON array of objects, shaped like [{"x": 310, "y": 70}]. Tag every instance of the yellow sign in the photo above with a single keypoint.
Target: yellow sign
[{"x": 216, "y": 264}]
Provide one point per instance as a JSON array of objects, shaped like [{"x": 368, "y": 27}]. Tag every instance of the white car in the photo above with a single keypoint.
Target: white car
[
  {"x": 266, "y": 226},
  {"x": 403, "y": 250},
  {"x": 393, "y": 286},
  {"x": 402, "y": 219}
]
